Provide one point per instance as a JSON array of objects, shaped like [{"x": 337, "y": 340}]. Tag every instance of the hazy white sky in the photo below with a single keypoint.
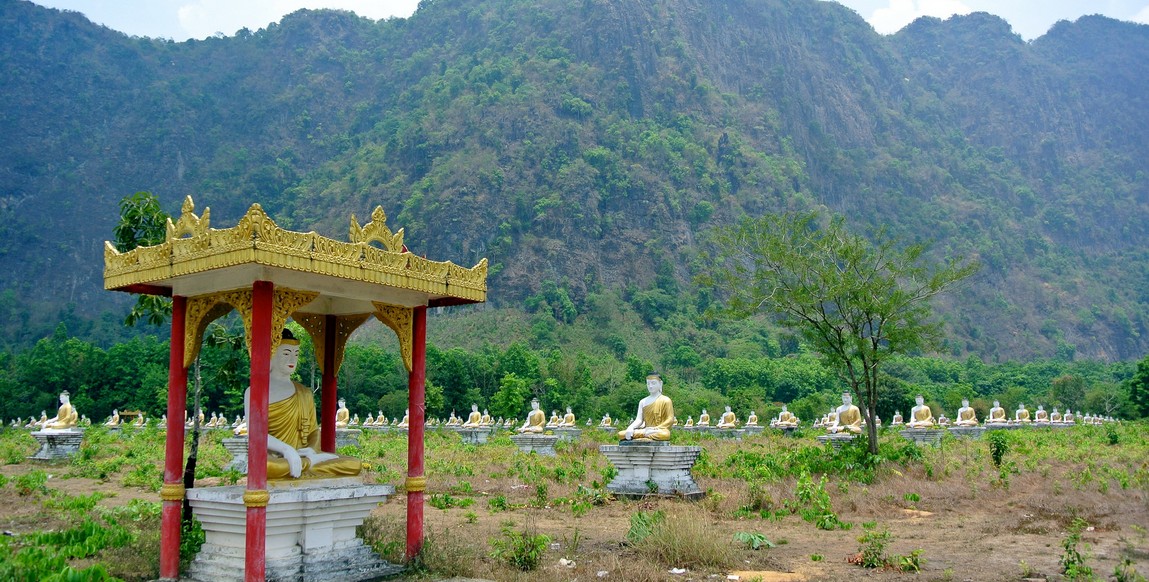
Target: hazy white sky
[{"x": 183, "y": 19}]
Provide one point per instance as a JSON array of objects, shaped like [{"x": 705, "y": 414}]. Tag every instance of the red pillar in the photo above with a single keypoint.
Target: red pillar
[
  {"x": 416, "y": 483},
  {"x": 255, "y": 498},
  {"x": 172, "y": 492},
  {"x": 329, "y": 399}
]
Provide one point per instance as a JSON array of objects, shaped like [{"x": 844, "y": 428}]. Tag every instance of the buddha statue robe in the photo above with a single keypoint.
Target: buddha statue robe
[
  {"x": 292, "y": 420},
  {"x": 66, "y": 418},
  {"x": 536, "y": 422},
  {"x": 657, "y": 418}
]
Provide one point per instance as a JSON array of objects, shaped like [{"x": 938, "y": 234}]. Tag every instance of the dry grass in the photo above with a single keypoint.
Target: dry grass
[{"x": 683, "y": 540}]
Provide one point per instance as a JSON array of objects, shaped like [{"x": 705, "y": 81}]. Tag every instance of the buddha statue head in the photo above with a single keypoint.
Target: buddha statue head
[
  {"x": 534, "y": 404},
  {"x": 727, "y": 409},
  {"x": 568, "y": 410},
  {"x": 286, "y": 357},
  {"x": 654, "y": 383},
  {"x": 965, "y": 402},
  {"x": 848, "y": 400},
  {"x": 919, "y": 400},
  {"x": 474, "y": 407}
]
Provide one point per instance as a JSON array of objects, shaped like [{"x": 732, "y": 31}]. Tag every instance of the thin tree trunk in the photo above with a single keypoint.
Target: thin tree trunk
[{"x": 189, "y": 471}]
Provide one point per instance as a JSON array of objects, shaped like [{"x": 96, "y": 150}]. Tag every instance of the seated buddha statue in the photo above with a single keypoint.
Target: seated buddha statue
[
  {"x": 704, "y": 418},
  {"x": 848, "y": 418},
  {"x": 66, "y": 416},
  {"x": 689, "y": 421},
  {"x": 141, "y": 419},
  {"x": 897, "y": 418},
  {"x": 605, "y": 420},
  {"x": 920, "y": 415},
  {"x": 786, "y": 419},
  {"x": 293, "y": 425},
  {"x": 553, "y": 421},
  {"x": 354, "y": 420},
  {"x": 752, "y": 420},
  {"x": 475, "y": 418},
  {"x": 536, "y": 420},
  {"x": 1022, "y": 414},
  {"x": 996, "y": 414},
  {"x": 966, "y": 416},
  {"x": 370, "y": 420},
  {"x": 1041, "y": 416},
  {"x": 342, "y": 415},
  {"x": 405, "y": 423},
  {"x": 655, "y": 414},
  {"x": 485, "y": 419},
  {"x": 1067, "y": 418},
  {"x": 943, "y": 420},
  {"x": 85, "y": 421},
  {"x": 1055, "y": 416},
  {"x": 43, "y": 419},
  {"x": 727, "y": 420},
  {"x": 240, "y": 429},
  {"x": 568, "y": 420},
  {"x": 212, "y": 422}
]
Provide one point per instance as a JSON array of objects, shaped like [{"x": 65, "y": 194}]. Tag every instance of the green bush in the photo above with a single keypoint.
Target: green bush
[{"x": 522, "y": 550}]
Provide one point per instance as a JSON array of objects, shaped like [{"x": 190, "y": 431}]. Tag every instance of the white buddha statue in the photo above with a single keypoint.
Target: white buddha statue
[
  {"x": 847, "y": 418},
  {"x": 475, "y": 419},
  {"x": 966, "y": 416},
  {"x": 292, "y": 423},
  {"x": 752, "y": 420},
  {"x": 786, "y": 419},
  {"x": 370, "y": 421},
  {"x": 1055, "y": 416},
  {"x": 920, "y": 415},
  {"x": 485, "y": 419},
  {"x": 66, "y": 416},
  {"x": 1067, "y": 418},
  {"x": 1041, "y": 416},
  {"x": 728, "y": 419},
  {"x": 655, "y": 414},
  {"x": 553, "y": 421},
  {"x": 114, "y": 419},
  {"x": 568, "y": 420},
  {"x": 536, "y": 420},
  {"x": 689, "y": 421},
  {"x": 996, "y": 414},
  {"x": 1022, "y": 414},
  {"x": 605, "y": 420},
  {"x": 897, "y": 418},
  {"x": 704, "y": 418},
  {"x": 342, "y": 415}
]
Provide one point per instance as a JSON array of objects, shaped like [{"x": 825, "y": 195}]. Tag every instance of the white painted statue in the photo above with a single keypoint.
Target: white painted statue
[
  {"x": 655, "y": 414},
  {"x": 920, "y": 415}
]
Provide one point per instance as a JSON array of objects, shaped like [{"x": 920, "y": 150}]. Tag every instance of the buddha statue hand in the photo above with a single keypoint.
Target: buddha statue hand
[{"x": 316, "y": 457}]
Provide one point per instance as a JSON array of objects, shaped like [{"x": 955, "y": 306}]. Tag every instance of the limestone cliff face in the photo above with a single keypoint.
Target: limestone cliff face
[{"x": 591, "y": 142}]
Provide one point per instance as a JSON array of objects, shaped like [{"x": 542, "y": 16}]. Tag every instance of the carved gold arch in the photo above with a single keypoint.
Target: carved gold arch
[
  {"x": 376, "y": 230},
  {"x": 204, "y": 309},
  {"x": 400, "y": 320},
  {"x": 316, "y": 326}
]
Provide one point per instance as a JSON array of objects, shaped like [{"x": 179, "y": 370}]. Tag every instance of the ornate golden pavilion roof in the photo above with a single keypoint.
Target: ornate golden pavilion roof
[{"x": 197, "y": 259}]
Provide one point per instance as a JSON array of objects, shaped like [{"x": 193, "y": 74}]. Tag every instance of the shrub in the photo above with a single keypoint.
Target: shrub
[{"x": 522, "y": 550}]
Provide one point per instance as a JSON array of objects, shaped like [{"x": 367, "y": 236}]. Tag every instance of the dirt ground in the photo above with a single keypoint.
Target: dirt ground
[{"x": 967, "y": 527}]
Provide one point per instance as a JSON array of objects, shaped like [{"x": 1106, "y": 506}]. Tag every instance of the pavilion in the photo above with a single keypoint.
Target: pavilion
[{"x": 269, "y": 274}]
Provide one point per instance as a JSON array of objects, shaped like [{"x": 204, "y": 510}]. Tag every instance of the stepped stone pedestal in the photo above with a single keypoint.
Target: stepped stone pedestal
[
  {"x": 836, "y": 440},
  {"x": 568, "y": 434},
  {"x": 237, "y": 446},
  {"x": 310, "y": 531},
  {"x": 652, "y": 468},
  {"x": 542, "y": 444},
  {"x": 347, "y": 437},
  {"x": 57, "y": 444},
  {"x": 969, "y": 432},
  {"x": 475, "y": 436},
  {"x": 923, "y": 436}
]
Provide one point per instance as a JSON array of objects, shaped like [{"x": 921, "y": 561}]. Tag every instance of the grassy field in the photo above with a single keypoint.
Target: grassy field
[{"x": 1064, "y": 504}]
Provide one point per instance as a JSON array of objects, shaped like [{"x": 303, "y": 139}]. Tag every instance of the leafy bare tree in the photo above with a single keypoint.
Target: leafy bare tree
[{"x": 855, "y": 301}]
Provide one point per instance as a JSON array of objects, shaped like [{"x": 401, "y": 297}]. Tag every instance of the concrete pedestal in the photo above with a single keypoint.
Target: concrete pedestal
[
  {"x": 1001, "y": 426},
  {"x": 728, "y": 433},
  {"x": 652, "y": 468},
  {"x": 787, "y": 430},
  {"x": 475, "y": 436},
  {"x": 57, "y": 444},
  {"x": 753, "y": 430},
  {"x": 568, "y": 434},
  {"x": 347, "y": 437},
  {"x": 969, "y": 432},
  {"x": 237, "y": 446},
  {"x": 923, "y": 436},
  {"x": 310, "y": 531},
  {"x": 836, "y": 440},
  {"x": 543, "y": 444}
]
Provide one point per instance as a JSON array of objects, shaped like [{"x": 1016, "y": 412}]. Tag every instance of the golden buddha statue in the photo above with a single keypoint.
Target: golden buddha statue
[
  {"x": 605, "y": 420},
  {"x": 114, "y": 419},
  {"x": 485, "y": 419},
  {"x": 370, "y": 420},
  {"x": 704, "y": 418},
  {"x": 752, "y": 420},
  {"x": 475, "y": 419},
  {"x": 966, "y": 416},
  {"x": 655, "y": 414},
  {"x": 689, "y": 421},
  {"x": 568, "y": 420},
  {"x": 292, "y": 423},
  {"x": 728, "y": 419},
  {"x": 66, "y": 416},
  {"x": 342, "y": 416},
  {"x": 1055, "y": 416},
  {"x": 1067, "y": 418},
  {"x": 140, "y": 420},
  {"x": 553, "y": 421},
  {"x": 996, "y": 414},
  {"x": 1022, "y": 414},
  {"x": 920, "y": 416},
  {"x": 1041, "y": 416},
  {"x": 897, "y": 418},
  {"x": 536, "y": 420},
  {"x": 406, "y": 422},
  {"x": 786, "y": 418},
  {"x": 43, "y": 419},
  {"x": 848, "y": 418}
]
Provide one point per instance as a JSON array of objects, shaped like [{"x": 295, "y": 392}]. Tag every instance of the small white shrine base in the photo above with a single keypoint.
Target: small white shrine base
[
  {"x": 652, "y": 468},
  {"x": 237, "y": 446},
  {"x": 310, "y": 531},
  {"x": 345, "y": 437},
  {"x": 836, "y": 440},
  {"x": 568, "y": 434},
  {"x": 969, "y": 432},
  {"x": 542, "y": 444},
  {"x": 57, "y": 444},
  {"x": 475, "y": 436},
  {"x": 923, "y": 436}
]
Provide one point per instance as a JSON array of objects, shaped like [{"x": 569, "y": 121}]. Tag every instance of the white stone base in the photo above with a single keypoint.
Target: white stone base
[
  {"x": 310, "y": 531},
  {"x": 923, "y": 436},
  {"x": 728, "y": 433},
  {"x": 568, "y": 434},
  {"x": 971, "y": 432},
  {"x": 836, "y": 440},
  {"x": 754, "y": 430},
  {"x": 57, "y": 444},
  {"x": 652, "y": 468},
  {"x": 475, "y": 436},
  {"x": 345, "y": 437},
  {"x": 542, "y": 444},
  {"x": 237, "y": 446}
]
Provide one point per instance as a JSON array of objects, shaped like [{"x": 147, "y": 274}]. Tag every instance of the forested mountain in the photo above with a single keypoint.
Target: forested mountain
[{"x": 585, "y": 145}]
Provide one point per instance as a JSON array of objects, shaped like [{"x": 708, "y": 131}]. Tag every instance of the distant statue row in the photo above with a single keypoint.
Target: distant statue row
[
  {"x": 922, "y": 417},
  {"x": 66, "y": 418}
]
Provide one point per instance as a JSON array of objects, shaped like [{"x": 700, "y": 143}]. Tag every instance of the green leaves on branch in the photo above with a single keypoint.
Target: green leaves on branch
[{"x": 143, "y": 224}]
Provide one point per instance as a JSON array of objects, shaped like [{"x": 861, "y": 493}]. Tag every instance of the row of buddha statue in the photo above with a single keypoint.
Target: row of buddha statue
[
  {"x": 67, "y": 418},
  {"x": 922, "y": 417}
]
